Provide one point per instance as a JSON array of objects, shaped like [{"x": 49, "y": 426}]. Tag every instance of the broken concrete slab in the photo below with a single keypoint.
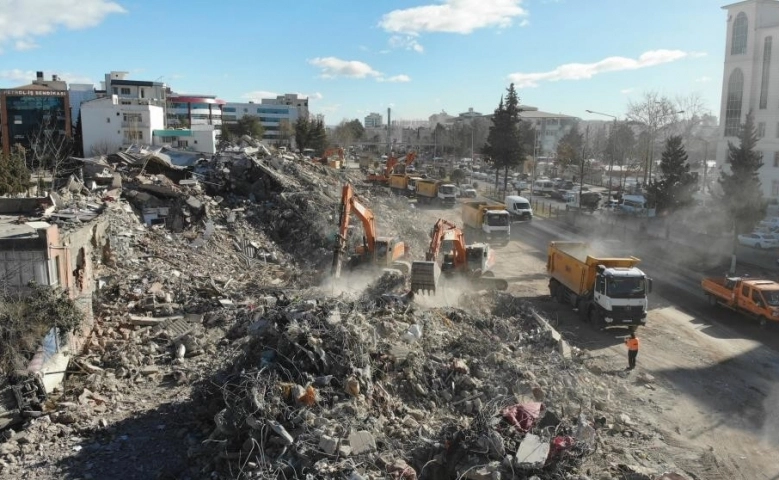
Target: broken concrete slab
[
  {"x": 532, "y": 452},
  {"x": 361, "y": 441}
]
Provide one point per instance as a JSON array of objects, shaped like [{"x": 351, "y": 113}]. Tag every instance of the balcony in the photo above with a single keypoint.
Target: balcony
[{"x": 135, "y": 124}]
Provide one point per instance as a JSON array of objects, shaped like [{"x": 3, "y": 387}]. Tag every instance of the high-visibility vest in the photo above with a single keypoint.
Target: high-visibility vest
[{"x": 632, "y": 343}]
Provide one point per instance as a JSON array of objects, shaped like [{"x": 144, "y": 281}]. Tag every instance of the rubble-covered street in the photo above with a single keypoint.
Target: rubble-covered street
[{"x": 222, "y": 350}]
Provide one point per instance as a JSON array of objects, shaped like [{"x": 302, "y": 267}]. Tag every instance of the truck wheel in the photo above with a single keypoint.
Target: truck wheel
[
  {"x": 595, "y": 319},
  {"x": 582, "y": 310}
]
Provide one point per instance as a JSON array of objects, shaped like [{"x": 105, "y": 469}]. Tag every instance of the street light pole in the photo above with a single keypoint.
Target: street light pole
[{"x": 613, "y": 149}]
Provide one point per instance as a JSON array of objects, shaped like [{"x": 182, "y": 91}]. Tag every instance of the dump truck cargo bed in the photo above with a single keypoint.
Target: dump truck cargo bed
[{"x": 571, "y": 264}]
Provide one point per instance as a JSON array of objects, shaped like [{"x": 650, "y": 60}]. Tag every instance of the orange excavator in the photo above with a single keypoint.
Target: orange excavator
[
  {"x": 449, "y": 255},
  {"x": 380, "y": 252},
  {"x": 390, "y": 166},
  {"x": 333, "y": 152}
]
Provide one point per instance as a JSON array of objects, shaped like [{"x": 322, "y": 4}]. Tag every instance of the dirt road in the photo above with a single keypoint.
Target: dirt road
[{"x": 712, "y": 393}]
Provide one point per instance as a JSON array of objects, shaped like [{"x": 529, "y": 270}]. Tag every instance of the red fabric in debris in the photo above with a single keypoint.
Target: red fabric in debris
[
  {"x": 523, "y": 416},
  {"x": 559, "y": 445}
]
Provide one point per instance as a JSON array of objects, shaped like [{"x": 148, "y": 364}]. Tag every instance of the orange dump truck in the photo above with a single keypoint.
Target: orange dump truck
[
  {"x": 755, "y": 298},
  {"x": 607, "y": 291}
]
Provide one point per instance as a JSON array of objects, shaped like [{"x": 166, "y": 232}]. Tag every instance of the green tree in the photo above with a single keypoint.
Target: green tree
[
  {"x": 248, "y": 125},
  {"x": 311, "y": 134},
  {"x": 457, "y": 176},
  {"x": 358, "y": 131},
  {"x": 226, "y": 137},
  {"x": 676, "y": 186},
  {"x": 742, "y": 196},
  {"x": 14, "y": 175},
  {"x": 78, "y": 137},
  {"x": 569, "y": 148},
  {"x": 347, "y": 132},
  {"x": 504, "y": 145}
]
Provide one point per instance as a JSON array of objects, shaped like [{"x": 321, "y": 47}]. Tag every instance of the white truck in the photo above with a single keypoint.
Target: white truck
[{"x": 518, "y": 207}]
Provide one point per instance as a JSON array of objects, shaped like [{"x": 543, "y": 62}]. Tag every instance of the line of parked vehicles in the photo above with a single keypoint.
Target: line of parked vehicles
[{"x": 765, "y": 235}]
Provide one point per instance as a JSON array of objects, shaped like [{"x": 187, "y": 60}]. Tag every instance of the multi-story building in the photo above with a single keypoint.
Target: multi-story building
[
  {"x": 749, "y": 83},
  {"x": 550, "y": 127},
  {"x": 291, "y": 100},
  {"x": 190, "y": 110},
  {"x": 79, "y": 93},
  {"x": 110, "y": 123},
  {"x": 373, "y": 120},
  {"x": 469, "y": 115},
  {"x": 199, "y": 138},
  {"x": 276, "y": 118},
  {"x": 443, "y": 118},
  {"x": 28, "y": 110},
  {"x": 116, "y": 83}
]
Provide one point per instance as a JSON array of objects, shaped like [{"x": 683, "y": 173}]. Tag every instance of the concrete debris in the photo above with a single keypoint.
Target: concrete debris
[
  {"x": 212, "y": 290},
  {"x": 532, "y": 452}
]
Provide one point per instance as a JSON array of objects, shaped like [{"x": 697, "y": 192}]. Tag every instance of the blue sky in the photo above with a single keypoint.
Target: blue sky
[{"x": 353, "y": 57}]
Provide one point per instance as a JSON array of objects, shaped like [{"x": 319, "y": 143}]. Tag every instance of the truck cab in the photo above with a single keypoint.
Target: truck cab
[
  {"x": 621, "y": 294},
  {"x": 447, "y": 194}
]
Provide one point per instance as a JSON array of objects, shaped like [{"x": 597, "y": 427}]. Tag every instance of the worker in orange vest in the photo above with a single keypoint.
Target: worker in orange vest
[{"x": 632, "y": 344}]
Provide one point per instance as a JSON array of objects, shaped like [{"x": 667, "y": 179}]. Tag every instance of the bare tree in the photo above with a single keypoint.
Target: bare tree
[
  {"x": 654, "y": 112},
  {"x": 104, "y": 147}
]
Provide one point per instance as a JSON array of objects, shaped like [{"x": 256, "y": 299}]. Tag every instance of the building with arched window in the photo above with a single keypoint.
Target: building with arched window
[{"x": 750, "y": 82}]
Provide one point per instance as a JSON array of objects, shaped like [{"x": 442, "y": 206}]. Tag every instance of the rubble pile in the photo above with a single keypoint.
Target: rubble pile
[{"x": 333, "y": 387}]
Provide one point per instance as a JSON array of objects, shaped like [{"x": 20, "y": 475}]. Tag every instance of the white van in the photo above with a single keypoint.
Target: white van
[
  {"x": 518, "y": 207},
  {"x": 543, "y": 187}
]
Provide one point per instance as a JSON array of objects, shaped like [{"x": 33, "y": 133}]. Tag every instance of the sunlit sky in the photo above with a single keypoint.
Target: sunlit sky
[{"x": 353, "y": 57}]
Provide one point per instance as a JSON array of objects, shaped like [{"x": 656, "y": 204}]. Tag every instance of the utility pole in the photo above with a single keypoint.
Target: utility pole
[
  {"x": 581, "y": 176},
  {"x": 705, "y": 163},
  {"x": 389, "y": 133}
]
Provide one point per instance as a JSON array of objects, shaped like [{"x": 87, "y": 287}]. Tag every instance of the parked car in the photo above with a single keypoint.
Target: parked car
[{"x": 759, "y": 240}]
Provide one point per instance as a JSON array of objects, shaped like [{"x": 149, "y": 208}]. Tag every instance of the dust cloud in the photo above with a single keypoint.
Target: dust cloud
[{"x": 770, "y": 428}]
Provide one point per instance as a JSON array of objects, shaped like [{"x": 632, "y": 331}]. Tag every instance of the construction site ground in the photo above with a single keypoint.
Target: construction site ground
[
  {"x": 702, "y": 401},
  {"x": 714, "y": 398}
]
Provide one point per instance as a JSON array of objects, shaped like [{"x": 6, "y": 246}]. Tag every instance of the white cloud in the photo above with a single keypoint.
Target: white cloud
[
  {"x": 257, "y": 95},
  {"x": 396, "y": 79},
  {"x": 23, "y": 20},
  {"x": 23, "y": 45},
  {"x": 335, "y": 67},
  {"x": 453, "y": 16},
  {"x": 313, "y": 96},
  {"x": 22, "y": 77},
  {"x": 625, "y": 91},
  {"x": 703, "y": 79},
  {"x": 579, "y": 71},
  {"x": 407, "y": 42}
]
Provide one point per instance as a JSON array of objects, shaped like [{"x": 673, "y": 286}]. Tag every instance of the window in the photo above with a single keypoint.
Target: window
[
  {"x": 133, "y": 117},
  {"x": 760, "y": 129},
  {"x": 776, "y": 159},
  {"x": 766, "y": 68},
  {"x": 183, "y": 143},
  {"x": 738, "y": 43},
  {"x": 125, "y": 91},
  {"x": 108, "y": 120},
  {"x": 756, "y": 296},
  {"x": 733, "y": 103},
  {"x": 229, "y": 109},
  {"x": 143, "y": 93},
  {"x": 745, "y": 291},
  {"x": 132, "y": 135},
  {"x": 245, "y": 110},
  {"x": 17, "y": 119},
  {"x": 116, "y": 91}
]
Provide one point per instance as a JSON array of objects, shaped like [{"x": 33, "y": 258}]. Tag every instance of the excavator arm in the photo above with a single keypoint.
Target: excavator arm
[
  {"x": 441, "y": 228},
  {"x": 349, "y": 205}
]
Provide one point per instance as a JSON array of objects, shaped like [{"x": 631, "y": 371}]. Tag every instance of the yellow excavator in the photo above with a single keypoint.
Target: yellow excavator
[
  {"x": 449, "y": 255},
  {"x": 375, "y": 251}
]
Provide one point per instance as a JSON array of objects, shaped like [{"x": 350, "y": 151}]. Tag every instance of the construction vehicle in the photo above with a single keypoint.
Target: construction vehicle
[
  {"x": 607, "y": 291},
  {"x": 338, "y": 162},
  {"x": 487, "y": 221},
  {"x": 432, "y": 191},
  {"x": 403, "y": 183},
  {"x": 449, "y": 255},
  {"x": 375, "y": 251},
  {"x": 755, "y": 298}
]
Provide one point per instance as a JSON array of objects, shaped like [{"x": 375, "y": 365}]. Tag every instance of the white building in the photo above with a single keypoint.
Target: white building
[
  {"x": 116, "y": 83},
  {"x": 110, "y": 123},
  {"x": 199, "y": 138},
  {"x": 550, "y": 127},
  {"x": 470, "y": 114},
  {"x": 751, "y": 82},
  {"x": 190, "y": 110},
  {"x": 273, "y": 117},
  {"x": 373, "y": 120}
]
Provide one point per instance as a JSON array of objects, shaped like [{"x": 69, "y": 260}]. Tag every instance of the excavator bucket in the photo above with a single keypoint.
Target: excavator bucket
[{"x": 424, "y": 277}]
